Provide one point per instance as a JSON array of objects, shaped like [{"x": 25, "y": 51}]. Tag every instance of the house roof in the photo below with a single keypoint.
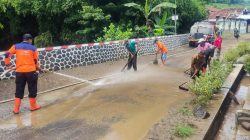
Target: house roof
[{"x": 229, "y": 12}]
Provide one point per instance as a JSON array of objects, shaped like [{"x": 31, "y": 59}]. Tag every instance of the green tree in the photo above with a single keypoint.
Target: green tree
[
  {"x": 196, "y": 12},
  {"x": 92, "y": 19},
  {"x": 2, "y": 11},
  {"x": 150, "y": 8}
]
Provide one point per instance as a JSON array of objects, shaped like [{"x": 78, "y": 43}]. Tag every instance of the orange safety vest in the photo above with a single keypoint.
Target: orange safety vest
[{"x": 26, "y": 57}]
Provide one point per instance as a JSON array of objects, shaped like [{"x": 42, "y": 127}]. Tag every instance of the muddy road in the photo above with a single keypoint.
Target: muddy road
[{"x": 120, "y": 107}]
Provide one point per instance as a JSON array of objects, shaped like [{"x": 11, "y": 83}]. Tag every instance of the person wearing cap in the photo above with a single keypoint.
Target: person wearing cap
[
  {"x": 26, "y": 67},
  {"x": 202, "y": 45},
  {"x": 132, "y": 47},
  {"x": 161, "y": 48},
  {"x": 208, "y": 50},
  {"x": 196, "y": 64}
]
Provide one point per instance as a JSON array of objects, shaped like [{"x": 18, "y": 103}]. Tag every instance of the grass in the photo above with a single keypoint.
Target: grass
[
  {"x": 185, "y": 111},
  {"x": 233, "y": 54},
  {"x": 247, "y": 64},
  {"x": 227, "y": 34},
  {"x": 184, "y": 130}
]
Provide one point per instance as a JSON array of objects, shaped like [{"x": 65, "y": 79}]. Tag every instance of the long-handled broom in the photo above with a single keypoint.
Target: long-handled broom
[
  {"x": 129, "y": 62},
  {"x": 156, "y": 60}
]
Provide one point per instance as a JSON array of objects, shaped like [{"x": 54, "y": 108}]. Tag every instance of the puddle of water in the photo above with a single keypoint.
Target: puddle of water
[{"x": 228, "y": 128}]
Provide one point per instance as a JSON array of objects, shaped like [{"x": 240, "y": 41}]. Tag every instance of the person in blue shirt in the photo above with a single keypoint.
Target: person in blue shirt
[{"x": 132, "y": 47}]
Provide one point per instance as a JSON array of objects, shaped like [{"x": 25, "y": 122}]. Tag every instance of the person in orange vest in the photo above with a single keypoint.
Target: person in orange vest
[
  {"x": 26, "y": 67},
  {"x": 161, "y": 48}
]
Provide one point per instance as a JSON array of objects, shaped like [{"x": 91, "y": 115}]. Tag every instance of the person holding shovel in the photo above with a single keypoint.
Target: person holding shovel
[
  {"x": 161, "y": 48},
  {"x": 26, "y": 67},
  {"x": 196, "y": 64},
  {"x": 132, "y": 48}
]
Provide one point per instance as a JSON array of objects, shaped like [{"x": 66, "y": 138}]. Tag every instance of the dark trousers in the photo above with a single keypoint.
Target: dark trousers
[
  {"x": 206, "y": 61},
  {"x": 26, "y": 77},
  {"x": 132, "y": 62}
]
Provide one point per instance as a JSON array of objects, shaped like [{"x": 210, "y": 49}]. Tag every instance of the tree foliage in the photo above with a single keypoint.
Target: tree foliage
[
  {"x": 43, "y": 40},
  {"x": 92, "y": 20},
  {"x": 190, "y": 11},
  {"x": 150, "y": 9},
  {"x": 82, "y": 21},
  {"x": 115, "y": 33}
]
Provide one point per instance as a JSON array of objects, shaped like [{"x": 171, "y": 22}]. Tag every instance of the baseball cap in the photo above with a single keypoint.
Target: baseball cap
[
  {"x": 201, "y": 40},
  {"x": 27, "y": 36}
]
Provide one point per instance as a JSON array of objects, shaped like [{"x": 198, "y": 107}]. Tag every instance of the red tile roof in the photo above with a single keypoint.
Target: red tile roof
[{"x": 229, "y": 12}]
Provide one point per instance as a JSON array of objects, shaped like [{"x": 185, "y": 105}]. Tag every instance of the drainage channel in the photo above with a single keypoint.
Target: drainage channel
[{"x": 228, "y": 129}]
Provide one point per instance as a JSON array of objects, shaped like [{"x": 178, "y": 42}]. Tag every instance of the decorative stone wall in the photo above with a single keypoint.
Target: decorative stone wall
[{"x": 64, "y": 57}]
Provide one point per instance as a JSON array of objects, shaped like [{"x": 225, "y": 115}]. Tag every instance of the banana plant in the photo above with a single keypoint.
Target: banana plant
[
  {"x": 161, "y": 25},
  {"x": 149, "y": 9}
]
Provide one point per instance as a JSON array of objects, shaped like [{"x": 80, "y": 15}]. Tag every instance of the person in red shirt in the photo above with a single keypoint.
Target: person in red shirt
[
  {"x": 161, "y": 48},
  {"x": 26, "y": 66},
  {"x": 217, "y": 44}
]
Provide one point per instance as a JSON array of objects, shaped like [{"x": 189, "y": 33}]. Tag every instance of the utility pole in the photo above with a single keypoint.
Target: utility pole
[{"x": 175, "y": 17}]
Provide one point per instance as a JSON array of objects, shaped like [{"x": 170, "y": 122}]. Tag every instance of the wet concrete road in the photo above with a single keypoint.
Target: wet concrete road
[
  {"x": 122, "y": 107},
  {"x": 118, "y": 108}
]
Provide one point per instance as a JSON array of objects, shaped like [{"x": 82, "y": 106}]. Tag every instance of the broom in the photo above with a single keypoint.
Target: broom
[{"x": 156, "y": 60}]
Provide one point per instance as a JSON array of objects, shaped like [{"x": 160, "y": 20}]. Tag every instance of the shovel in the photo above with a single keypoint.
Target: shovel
[
  {"x": 182, "y": 87},
  {"x": 156, "y": 60}
]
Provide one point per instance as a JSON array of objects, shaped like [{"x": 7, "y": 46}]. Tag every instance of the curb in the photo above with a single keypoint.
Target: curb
[{"x": 231, "y": 83}]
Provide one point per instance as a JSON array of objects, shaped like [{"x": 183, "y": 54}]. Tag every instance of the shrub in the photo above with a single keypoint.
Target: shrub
[
  {"x": 184, "y": 130},
  {"x": 115, "y": 33},
  {"x": 43, "y": 40},
  {"x": 68, "y": 37},
  {"x": 233, "y": 54},
  {"x": 185, "y": 111},
  {"x": 243, "y": 48},
  {"x": 247, "y": 64},
  {"x": 208, "y": 83},
  {"x": 140, "y": 32},
  {"x": 159, "y": 32}
]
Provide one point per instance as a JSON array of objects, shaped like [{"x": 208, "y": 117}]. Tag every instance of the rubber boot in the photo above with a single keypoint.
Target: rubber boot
[
  {"x": 33, "y": 105},
  {"x": 17, "y": 104}
]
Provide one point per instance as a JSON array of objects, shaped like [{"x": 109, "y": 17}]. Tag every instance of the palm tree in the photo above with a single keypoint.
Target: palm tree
[{"x": 147, "y": 12}]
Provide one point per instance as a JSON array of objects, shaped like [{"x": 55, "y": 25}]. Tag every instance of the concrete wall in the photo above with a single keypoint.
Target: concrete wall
[
  {"x": 64, "y": 57},
  {"x": 229, "y": 25}
]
